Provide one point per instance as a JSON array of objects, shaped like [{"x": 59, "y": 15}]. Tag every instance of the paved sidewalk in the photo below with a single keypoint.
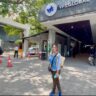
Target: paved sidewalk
[{"x": 31, "y": 77}]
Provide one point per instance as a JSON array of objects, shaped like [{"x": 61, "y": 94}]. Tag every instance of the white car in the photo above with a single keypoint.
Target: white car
[{"x": 32, "y": 51}]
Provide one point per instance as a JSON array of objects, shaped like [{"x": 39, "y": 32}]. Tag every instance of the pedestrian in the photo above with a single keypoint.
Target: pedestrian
[
  {"x": 54, "y": 68},
  {"x": 16, "y": 51},
  {"x": 20, "y": 50},
  {"x": 92, "y": 55}
]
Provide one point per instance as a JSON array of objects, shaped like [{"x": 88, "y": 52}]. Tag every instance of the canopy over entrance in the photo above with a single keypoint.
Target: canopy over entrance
[{"x": 75, "y": 19}]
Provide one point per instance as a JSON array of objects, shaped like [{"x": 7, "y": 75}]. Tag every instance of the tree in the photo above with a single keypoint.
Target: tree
[
  {"x": 18, "y": 41},
  {"x": 26, "y": 11},
  {"x": 12, "y": 31}
]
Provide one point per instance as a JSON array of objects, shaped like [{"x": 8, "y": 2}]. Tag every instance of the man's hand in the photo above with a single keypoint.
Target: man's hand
[{"x": 57, "y": 74}]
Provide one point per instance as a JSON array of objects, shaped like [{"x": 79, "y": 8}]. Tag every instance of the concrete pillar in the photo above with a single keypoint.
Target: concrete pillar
[
  {"x": 0, "y": 42},
  {"x": 26, "y": 34},
  {"x": 51, "y": 38},
  {"x": 25, "y": 47},
  {"x": 68, "y": 46}
]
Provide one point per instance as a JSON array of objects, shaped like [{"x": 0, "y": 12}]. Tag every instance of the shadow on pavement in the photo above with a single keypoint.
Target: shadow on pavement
[{"x": 31, "y": 77}]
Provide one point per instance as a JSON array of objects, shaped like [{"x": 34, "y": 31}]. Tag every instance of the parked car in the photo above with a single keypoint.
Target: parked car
[
  {"x": 1, "y": 51},
  {"x": 32, "y": 51}
]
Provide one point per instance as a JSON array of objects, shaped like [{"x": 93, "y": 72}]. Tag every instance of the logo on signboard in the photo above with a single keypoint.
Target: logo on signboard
[{"x": 51, "y": 9}]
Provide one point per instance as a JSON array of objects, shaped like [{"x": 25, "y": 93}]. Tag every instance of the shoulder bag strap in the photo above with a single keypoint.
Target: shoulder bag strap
[{"x": 53, "y": 59}]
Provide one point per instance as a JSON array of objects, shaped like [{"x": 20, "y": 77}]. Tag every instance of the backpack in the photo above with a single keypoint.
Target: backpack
[{"x": 62, "y": 61}]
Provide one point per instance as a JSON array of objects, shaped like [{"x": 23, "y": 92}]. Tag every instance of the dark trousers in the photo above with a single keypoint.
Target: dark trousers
[
  {"x": 16, "y": 54},
  {"x": 56, "y": 82}
]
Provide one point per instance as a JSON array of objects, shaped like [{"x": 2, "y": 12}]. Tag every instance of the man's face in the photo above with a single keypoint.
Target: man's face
[{"x": 54, "y": 49}]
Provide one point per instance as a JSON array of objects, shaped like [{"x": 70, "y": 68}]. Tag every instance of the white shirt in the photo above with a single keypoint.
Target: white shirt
[{"x": 16, "y": 48}]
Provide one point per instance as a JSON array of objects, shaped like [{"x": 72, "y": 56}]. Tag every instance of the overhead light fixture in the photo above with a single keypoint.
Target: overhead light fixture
[{"x": 72, "y": 27}]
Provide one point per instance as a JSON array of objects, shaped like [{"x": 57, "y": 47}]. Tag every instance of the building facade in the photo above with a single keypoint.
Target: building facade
[{"x": 72, "y": 20}]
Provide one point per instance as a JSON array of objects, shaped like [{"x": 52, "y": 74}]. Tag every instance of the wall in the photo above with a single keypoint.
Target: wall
[{"x": 65, "y": 12}]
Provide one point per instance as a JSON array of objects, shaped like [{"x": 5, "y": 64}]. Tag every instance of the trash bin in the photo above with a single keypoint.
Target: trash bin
[{"x": 43, "y": 56}]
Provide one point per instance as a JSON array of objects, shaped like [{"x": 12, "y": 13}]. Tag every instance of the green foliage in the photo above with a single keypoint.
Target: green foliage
[
  {"x": 27, "y": 11},
  {"x": 18, "y": 41},
  {"x": 23, "y": 17},
  {"x": 12, "y": 31}
]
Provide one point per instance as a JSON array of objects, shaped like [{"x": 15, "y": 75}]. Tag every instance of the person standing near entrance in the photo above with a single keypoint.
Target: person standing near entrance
[
  {"x": 20, "y": 50},
  {"x": 92, "y": 57},
  {"x": 16, "y": 52},
  {"x": 54, "y": 68}
]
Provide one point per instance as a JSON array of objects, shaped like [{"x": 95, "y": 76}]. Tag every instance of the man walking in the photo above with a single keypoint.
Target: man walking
[{"x": 16, "y": 52}]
